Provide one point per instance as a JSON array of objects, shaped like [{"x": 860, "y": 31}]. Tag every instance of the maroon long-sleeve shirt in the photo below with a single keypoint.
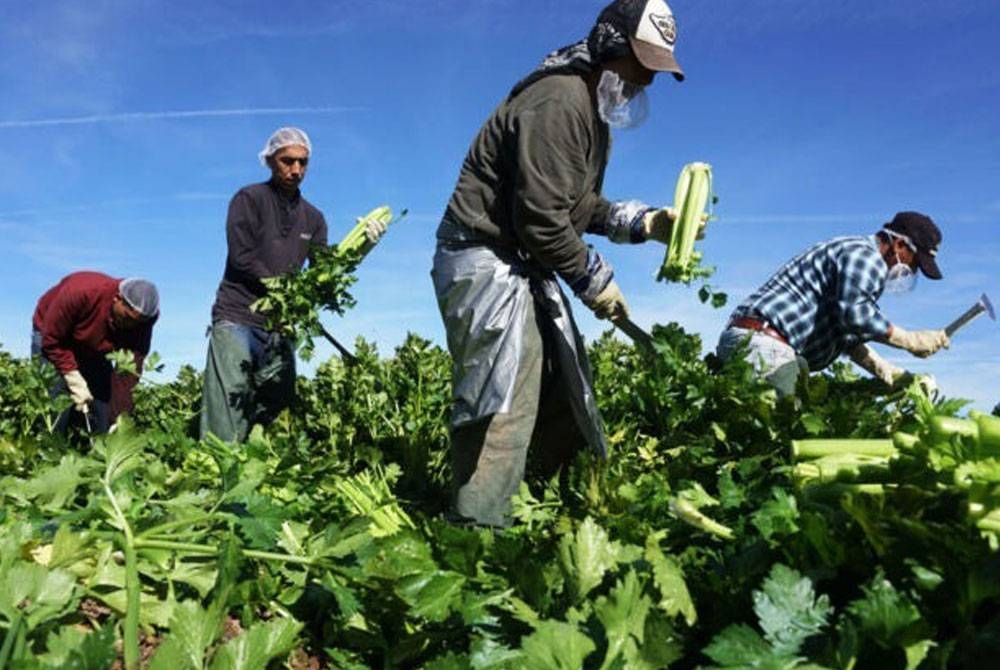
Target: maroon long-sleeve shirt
[{"x": 74, "y": 319}]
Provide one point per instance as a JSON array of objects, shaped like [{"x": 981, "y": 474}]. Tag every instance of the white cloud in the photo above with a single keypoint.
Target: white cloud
[{"x": 123, "y": 117}]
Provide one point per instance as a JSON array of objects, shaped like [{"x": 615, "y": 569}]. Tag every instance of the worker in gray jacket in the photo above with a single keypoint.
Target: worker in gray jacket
[
  {"x": 528, "y": 189},
  {"x": 271, "y": 229}
]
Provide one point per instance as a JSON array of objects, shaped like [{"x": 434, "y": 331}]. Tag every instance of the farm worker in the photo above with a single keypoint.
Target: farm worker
[
  {"x": 80, "y": 320},
  {"x": 529, "y": 188},
  {"x": 270, "y": 230},
  {"x": 824, "y": 303}
]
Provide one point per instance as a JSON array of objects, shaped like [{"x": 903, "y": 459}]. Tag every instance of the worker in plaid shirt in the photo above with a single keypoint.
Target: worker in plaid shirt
[{"x": 823, "y": 303}]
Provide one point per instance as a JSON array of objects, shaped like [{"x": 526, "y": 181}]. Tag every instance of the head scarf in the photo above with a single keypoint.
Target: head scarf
[{"x": 605, "y": 42}]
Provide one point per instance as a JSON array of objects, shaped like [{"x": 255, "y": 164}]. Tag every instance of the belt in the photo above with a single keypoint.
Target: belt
[{"x": 758, "y": 325}]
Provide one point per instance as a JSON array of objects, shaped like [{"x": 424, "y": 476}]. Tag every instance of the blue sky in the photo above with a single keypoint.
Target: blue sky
[{"x": 125, "y": 126}]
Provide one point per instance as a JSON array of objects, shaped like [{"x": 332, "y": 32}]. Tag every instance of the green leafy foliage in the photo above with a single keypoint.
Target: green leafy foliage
[
  {"x": 294, "y": 300},
  {"x": 321, "y": 537},
  {"x": 788, "y": 612}
]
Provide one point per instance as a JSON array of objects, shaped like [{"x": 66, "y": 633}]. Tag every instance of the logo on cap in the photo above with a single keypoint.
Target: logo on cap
[{"x": 666, "y": 26}]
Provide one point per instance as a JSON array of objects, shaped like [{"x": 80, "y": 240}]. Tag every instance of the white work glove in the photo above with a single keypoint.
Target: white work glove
[
  {"x": 920, "y": 343},
  {"x": 78, "y": 391},
  {"x": 609, "y": 303},
  {"x": 374, "y": 230},
  {"x": 659, "y": 224},
  {"x": 868, "y": 360}
]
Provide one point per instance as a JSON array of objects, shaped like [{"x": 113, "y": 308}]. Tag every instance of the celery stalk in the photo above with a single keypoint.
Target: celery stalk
[
  {"x": 691, "y": 195},
  {"x": 356, "y": 241},
  {"x": 806, "y": 449},
  {"x": 945, "y": 427}
]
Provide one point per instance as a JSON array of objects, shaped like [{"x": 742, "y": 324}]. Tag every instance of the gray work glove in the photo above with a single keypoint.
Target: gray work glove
[
  {"x": 920, "y": 343},
  {"x": 78, "y": 391},
  {"x": 609, "y": 303}
]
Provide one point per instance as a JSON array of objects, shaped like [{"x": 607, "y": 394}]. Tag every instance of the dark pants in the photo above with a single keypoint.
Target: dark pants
[
  {"x": 489, "y": 456},
  {"x": 249, "y": 378},
  {"x": 96, "y": 371}
]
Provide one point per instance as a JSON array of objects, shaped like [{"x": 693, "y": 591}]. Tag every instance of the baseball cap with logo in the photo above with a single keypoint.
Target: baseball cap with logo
[
  {"x": 922, "y": 235},
  {"x": 651, "y": 30}
]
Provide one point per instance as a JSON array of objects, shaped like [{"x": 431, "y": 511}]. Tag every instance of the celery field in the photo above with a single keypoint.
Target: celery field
[{"x": 703, "y": 541}]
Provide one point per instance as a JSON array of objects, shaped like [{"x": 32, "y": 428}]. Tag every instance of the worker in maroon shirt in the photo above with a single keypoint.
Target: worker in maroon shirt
[{"x": 76, "y": 324}]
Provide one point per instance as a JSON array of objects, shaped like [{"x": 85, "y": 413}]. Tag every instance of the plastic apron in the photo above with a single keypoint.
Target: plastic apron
[{"x": 483, "y": 292}]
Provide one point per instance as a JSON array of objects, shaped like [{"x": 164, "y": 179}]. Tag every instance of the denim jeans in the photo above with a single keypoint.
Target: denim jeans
[
  {"x": 249, "y": 378},
  {"x": 773, "y": 360}
]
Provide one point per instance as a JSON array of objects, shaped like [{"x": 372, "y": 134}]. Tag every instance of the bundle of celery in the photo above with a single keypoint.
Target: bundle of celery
[
  {"x": 356, "y": 241},
  {"x": 691, "y": 196},
  {"x": 948, "y": 454},
  {"x": 294, "y": 299}
]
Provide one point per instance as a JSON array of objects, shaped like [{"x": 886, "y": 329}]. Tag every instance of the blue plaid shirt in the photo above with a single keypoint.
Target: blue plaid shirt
[{"x": 824, "y": 300}]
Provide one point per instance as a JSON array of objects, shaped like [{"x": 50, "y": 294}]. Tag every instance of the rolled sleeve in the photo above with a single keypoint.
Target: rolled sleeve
[{"x": 623, "y": 222}]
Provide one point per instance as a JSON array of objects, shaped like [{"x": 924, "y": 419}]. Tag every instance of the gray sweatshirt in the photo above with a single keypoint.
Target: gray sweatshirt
[{"x": 268, "y": 233}]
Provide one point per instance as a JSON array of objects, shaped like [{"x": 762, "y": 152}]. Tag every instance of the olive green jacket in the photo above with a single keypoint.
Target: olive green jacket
[{"x": 532, "y": 178}]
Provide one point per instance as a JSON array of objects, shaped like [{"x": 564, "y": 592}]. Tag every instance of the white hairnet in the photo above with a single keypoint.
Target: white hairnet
[
  {"x": 141, "y": 295},
  {"x": 281, "y": 138}
]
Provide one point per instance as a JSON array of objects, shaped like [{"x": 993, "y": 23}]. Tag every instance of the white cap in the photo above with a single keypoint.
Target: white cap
[{"x": 281, "y": 138}]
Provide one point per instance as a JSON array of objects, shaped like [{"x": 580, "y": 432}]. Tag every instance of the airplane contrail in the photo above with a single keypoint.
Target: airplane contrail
[{"x": 184, "y": 114}]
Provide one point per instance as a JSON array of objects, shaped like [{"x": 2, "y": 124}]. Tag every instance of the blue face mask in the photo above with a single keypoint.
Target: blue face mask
[{"x": 621, "y": 104}]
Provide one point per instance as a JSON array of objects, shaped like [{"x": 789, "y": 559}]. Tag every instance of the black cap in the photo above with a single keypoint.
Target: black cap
[
  {"x": 651, "y": 31},
  {"x": 925, "y": 236}
]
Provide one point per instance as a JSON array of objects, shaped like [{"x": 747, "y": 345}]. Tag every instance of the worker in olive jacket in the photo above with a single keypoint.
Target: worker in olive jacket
[{"x": 528, "y": 190}]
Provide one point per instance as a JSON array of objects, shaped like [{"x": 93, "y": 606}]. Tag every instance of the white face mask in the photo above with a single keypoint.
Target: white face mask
[
  {"x": 901, "y": 279},
  {"x": 621, "y": 104}
]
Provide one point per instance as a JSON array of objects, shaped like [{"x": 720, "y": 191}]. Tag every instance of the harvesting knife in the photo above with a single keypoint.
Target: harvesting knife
[
  {"x": 90, "y": 431},
  {"x": 982, "y": 305},
  {"x": 345, "y": 353},
  {"x": 641, "y": 338}
]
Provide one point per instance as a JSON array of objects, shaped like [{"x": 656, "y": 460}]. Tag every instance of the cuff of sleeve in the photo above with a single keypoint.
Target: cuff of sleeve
[
  {"x": 599, "y": 275},
  {"x": 878, "y": 329},
  {"x": 871, "y": 327},
  {"x": 625, "y": 222}
]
